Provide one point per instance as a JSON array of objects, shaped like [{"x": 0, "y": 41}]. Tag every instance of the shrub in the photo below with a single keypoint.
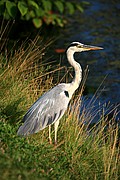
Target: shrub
[{"x": 39, "y": 11}]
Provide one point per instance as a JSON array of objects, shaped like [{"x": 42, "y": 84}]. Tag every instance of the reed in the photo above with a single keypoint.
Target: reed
[{"x": 83, "y": 152}]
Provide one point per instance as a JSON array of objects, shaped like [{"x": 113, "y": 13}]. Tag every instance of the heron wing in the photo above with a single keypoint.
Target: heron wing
[{"x": 45, "y": 111}]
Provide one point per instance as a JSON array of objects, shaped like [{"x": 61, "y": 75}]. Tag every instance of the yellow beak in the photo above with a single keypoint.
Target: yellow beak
[{"x": 88, "y": 48}]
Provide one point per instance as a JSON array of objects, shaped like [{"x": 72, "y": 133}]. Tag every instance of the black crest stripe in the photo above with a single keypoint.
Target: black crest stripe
[{"x": 72, "y": 45}]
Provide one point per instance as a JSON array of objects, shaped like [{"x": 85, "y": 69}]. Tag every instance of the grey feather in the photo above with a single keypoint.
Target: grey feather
[{"x": 45, "y": 111}]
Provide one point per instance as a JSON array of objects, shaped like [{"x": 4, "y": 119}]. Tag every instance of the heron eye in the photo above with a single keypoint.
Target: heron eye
[{"x": 80, "y": 46}]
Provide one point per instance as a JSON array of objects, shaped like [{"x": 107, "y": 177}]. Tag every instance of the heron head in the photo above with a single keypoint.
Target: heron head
[{"x": 79, "y": 47}]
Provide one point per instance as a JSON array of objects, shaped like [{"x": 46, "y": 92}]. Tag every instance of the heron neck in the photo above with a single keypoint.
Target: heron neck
[{"x": 77, "y": 68}]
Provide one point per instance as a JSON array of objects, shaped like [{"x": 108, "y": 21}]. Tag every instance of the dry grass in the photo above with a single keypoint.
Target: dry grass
[{"x": 82, "y": 152}]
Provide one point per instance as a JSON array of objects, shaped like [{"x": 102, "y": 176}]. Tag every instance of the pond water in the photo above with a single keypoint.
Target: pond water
[{"x": 98, "y": 25}]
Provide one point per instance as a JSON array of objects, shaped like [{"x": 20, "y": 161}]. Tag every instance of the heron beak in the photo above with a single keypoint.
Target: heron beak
[{"x": 88, "y": 48}]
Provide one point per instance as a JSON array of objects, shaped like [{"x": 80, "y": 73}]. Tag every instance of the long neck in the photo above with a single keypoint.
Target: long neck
[{"x": 78, "y": 70}]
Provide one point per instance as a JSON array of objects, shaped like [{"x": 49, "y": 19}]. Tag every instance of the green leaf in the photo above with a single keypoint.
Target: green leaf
[
  {"x": 6, "y": 15},
  {"x": 22, "y": 8},
  {"x": 11, "y": 8},
  {"x": 47, "y": 5},
  {"x": 34, "y": 4},
  {"x": 60, "y": 22},
  {"x": 32, "y": 14},
  {"x": 2, "y": 7},
  {"x": 86, "y": 2},
  {"x": 40, "y": 12},
  {"x": 60, "y": 6},
  {"x": 37, "y": 22},
  {"x": 79, "y": 7},
  {"x": 70, "y": 8},
  {"x": 27, "y": 17}
]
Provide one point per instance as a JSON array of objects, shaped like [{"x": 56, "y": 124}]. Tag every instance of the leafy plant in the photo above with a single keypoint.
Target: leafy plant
[{"x": 40, "y": 11}]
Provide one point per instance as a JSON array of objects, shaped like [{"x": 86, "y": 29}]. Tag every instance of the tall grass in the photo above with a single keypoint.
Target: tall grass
[{"x": 82, "y": 152}]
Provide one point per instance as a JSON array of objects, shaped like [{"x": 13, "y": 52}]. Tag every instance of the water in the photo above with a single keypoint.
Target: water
[{"x": 98, "y": 25}]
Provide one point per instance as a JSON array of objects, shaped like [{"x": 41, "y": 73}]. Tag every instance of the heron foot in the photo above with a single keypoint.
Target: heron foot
[
  {"x": 55, "y": 144},
  {"x": 50, "y": 140},
  {"x": 58, "y": 144}
]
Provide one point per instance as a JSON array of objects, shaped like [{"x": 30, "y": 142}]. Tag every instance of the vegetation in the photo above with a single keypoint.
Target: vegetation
[
  {"x": 40, "y": 11},
  {"x": 81, "y": 153}
]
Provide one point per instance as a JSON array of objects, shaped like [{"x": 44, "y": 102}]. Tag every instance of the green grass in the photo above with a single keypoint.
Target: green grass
[{"x": 80, "y": 154}]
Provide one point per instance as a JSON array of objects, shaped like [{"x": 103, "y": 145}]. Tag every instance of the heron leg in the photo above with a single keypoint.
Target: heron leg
[
  {"x": 56, "y": 128},
  {"x": 50, "y": 139}
]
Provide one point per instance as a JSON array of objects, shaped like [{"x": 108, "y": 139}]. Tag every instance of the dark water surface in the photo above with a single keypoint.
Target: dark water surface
[{"x": 98, "y": 25}]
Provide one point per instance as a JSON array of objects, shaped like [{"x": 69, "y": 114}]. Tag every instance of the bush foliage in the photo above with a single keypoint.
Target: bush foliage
[{"x": 39, "y": 11}]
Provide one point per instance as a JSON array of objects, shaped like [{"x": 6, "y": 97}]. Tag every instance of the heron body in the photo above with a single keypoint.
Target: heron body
[{"x": 51, "y": 106}]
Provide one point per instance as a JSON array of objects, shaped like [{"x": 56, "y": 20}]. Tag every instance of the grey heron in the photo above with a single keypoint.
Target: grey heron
[{"x": 51, "y": 106}]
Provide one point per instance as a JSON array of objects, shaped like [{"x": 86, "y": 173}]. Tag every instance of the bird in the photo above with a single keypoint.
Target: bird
[{"x": 51, "y": 106}]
